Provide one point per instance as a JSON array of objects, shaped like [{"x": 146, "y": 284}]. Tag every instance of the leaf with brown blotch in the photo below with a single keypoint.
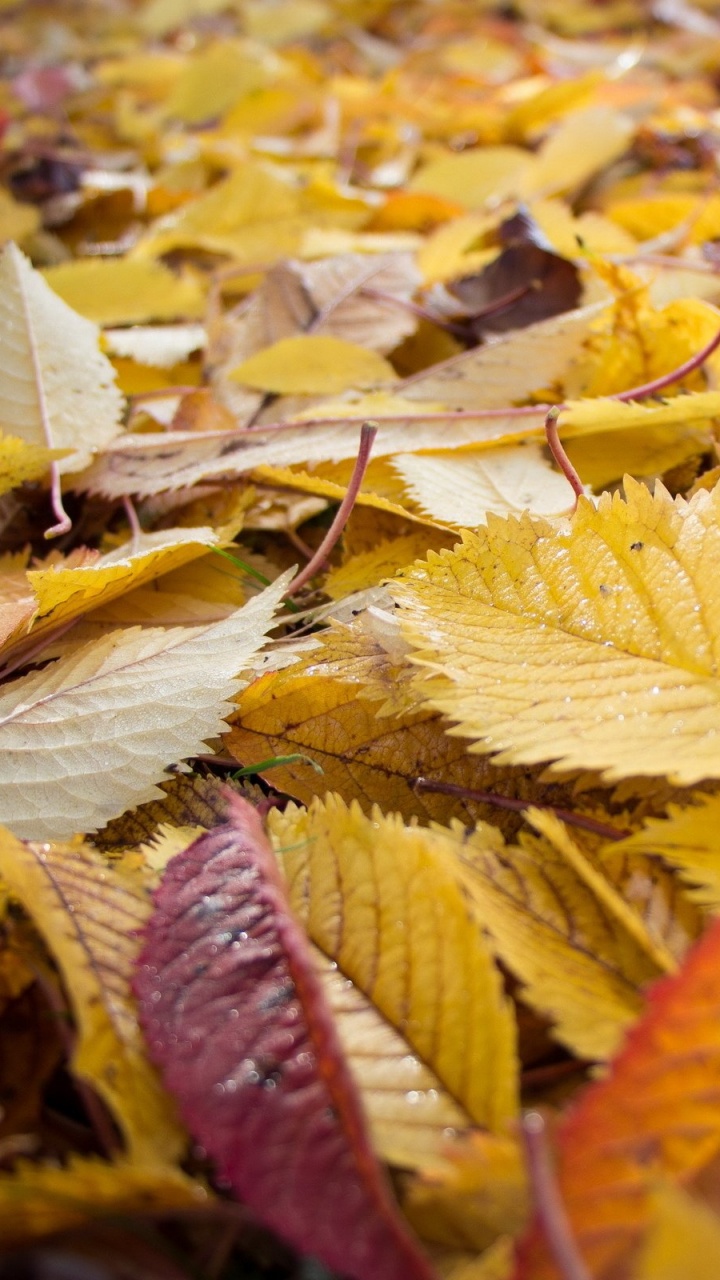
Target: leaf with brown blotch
[
  {"x": 91, "y": 734},
  {"x": 235, "y": 1017},
  {"x": 655, "y": 1116},
  {"x": 88, "y": 914}
]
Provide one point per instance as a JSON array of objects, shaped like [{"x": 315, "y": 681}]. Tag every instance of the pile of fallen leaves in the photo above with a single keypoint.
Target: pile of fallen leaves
[{"x": 359, "y": 779}]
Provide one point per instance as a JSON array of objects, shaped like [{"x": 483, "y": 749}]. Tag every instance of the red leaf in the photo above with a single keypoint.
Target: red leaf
[{"x": 236, "y": 1020}]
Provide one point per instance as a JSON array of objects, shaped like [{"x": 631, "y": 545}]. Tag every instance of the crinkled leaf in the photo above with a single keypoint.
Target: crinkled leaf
[{"x": 234, "y": 1015}]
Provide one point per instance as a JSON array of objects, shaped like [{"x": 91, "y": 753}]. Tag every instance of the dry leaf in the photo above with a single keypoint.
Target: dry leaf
[
  {"x": 91, "y": 734},
  {"x": 89, "y": 915},
  {"x": 56, "y": 387}
]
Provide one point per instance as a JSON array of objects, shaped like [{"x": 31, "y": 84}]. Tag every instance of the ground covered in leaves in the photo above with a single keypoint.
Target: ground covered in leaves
[{"x": 359, "y": 717}]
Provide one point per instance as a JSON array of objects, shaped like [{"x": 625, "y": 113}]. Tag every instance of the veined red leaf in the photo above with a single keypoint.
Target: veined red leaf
[
  {"x": 236, "y": 1019},
  {"x": 655, "y": 1118}
]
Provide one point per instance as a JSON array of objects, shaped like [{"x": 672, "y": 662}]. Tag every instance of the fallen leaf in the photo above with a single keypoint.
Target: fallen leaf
[
  {"x": 91, "y": 734},
  {"x": 310, "y": 365},
  {"x": 653, "y": 1116},
  {"x": 278, "y": 1078},
  {"x": 688, "y": 839},
  {"x": 617, "y": 666},
  {"x": 37, "y": 1200},
  {"x": 56, "y": 387},
  {"x": 580, "y": 952},
  {"x": 20, "y": 461},
  {"x": 372, "y": 893},
  {"x": 461, "y": 489},
  {"x": 126, "y": 290},
  {"x": 89, "y": 913}
]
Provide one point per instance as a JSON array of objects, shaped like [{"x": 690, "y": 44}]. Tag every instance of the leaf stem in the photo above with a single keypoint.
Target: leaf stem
[
  {"x": 689, "y": 366},
  {"x": 559, "y": 454},
  {"x": 64, "y": 523},
  {"x": 548, "y": 1202},
  {"x": 519, "y": 806},
  {"x": 368, "y": 433}
]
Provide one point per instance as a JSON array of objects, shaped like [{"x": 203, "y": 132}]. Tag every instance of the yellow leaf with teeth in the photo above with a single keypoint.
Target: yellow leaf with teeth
[{"x": 593, "y": 644}]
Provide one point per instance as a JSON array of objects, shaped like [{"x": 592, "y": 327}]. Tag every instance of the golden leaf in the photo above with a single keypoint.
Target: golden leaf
[
  {"x": 592, "y": 646},
  {"x": 37, "y": 1200},
  {"x": 376, "y": 898},
  {"x": 126, "y": 290},
  {"x": 20, "y": 461},
  {"x": 689, "y": 839},
  {"x": 310, "y": 364},
  {"x": 581, "y": 953},
  {"x": 88, "y": 914},
  {"x": 411, "y": 1115}
]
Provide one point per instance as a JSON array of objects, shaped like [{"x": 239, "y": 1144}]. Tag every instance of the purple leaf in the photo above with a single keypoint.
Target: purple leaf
[{"x": 235, "y": 1018}]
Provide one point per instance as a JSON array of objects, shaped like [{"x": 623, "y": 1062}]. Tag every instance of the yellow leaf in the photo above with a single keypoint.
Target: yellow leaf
[
  {"x": 252, "y": 215},
  {"x": 88, "y": 914},
  {"x": 90, "y": 734},
  {"x": 126, "y": 290},
  {"x": 20, "y": 461},
  {"x": 375, "y": 897},
  {"x": 474, "y": 176},
  {"x": 310, "y": 365},
  {"x": 64, "y": 593},
  {"x": 592, "y": 645},
  {"x": 590, "y": 416},
  {"x": 213, "y": 81},
  {"x": 56, "y": 387},
  {"x": 17, "y": 221},
  {"x": 368, "y": 568},
  {"x": 581, "y": 954},
  {"x": 689, "y": 839},
  {"x": 348, "y": 707},
  {"x": 683, "y": 1239},
  {"x": 411, "y": 1114},
  {"x": 583, "y": 144},
  {"x": 478, "y": 1194},
  {"x": 37, "y": 1200}
]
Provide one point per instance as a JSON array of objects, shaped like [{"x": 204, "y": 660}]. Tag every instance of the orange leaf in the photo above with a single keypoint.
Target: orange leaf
[{"x": 654, "y": 1117}]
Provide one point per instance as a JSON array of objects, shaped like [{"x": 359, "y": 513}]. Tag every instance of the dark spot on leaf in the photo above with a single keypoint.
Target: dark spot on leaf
[{"x": 636, "y": 546}]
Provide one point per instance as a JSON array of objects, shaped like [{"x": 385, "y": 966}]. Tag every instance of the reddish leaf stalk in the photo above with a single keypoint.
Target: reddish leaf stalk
[
  {"x": 549, "y": 1207},
  {"x": 559, "y": 454},
  {"x": 64, "y": 523},
  {"x": 519, "y": 806},
  {"x": 367, "y": 435}
]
